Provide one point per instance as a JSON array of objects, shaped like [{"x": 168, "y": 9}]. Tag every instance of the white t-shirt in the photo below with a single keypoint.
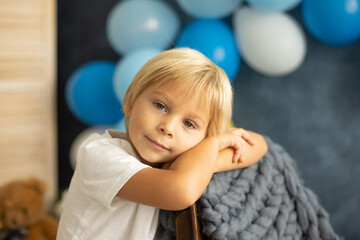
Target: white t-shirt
[{"x": 92, "y": 209}]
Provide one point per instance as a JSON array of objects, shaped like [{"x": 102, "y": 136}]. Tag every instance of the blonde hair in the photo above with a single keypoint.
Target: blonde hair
[{"x": 190, "y": 68}]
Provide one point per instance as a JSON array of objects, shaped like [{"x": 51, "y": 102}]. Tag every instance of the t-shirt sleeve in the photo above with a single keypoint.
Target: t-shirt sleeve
[{"x": 105, "y": 168}]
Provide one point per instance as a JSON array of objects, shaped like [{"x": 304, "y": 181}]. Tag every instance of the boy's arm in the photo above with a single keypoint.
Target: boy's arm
[
  {"x": 178, "y": 187},
  {"x": 253, "y": 153},
  {"x": 188, "y": 176}
]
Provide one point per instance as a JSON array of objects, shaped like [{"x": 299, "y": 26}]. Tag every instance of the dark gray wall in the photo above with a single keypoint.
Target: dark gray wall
[{"x": 313, "y": 112}]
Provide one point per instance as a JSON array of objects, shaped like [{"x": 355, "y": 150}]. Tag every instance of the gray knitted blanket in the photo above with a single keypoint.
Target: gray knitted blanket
[{"x": 264, "y": 201}]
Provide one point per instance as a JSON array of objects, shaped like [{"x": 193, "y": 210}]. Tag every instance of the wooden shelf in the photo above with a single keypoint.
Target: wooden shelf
[{"x": 27, "y": 92}]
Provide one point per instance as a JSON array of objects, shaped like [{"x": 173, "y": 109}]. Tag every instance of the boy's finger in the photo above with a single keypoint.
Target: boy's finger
[
  {"x": 249, "y": 139},
  {"x": 237, "y": 155},
  {"x": 245, "y": 135},
  {"x": 241, "y": 158}
]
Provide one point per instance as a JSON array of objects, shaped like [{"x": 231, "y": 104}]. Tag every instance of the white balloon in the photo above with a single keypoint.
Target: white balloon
[
  {"x": 272, "y": 43},
  {"x": 79, "y": 140}
]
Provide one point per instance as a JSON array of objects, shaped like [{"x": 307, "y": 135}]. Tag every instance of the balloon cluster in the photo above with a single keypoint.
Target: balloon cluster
[{"x": 263, "y": 34}]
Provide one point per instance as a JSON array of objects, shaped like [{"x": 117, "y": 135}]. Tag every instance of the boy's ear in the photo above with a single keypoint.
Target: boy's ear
[{"x": 127, "y": 111}]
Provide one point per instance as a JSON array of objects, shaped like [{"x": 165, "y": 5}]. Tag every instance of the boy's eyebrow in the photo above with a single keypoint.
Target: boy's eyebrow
[
  {"x": 198, "y": 118},
  {"x": 161, "y": 94}
]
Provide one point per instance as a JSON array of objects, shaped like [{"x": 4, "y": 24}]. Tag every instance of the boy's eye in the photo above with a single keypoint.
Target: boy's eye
[
  {"x": 160, "y": 106},
  {"x": 188, "y": 124}
]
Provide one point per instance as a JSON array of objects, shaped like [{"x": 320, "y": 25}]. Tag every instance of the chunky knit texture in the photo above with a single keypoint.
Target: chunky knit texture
[{"x": 267, "y": 200}]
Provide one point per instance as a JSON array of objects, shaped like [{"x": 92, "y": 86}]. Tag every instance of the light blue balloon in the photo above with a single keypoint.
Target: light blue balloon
[
  {"x": 128, "y": 66},
  {"x": 208, "y": 8},
  {"x": 121, "y": 125},
  {"x": 274, "y": 5},
  {"x": 335, "y": 22},
  {"x": 215, "y": 39},
  {"x": 141, "y": 23},
  {"x": 90, "y": 96}
]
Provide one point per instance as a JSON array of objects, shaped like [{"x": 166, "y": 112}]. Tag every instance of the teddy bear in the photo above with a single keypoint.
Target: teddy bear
[{"x": 22, "y": 212}]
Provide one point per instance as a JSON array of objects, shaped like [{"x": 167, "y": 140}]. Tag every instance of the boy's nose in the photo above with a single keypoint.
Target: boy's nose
[
  {"x": 167, "y": 127},
  {"x": 166, "y": 131}
]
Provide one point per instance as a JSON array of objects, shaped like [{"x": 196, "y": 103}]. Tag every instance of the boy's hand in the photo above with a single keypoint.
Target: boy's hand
[{"x": 236, "y": 139}]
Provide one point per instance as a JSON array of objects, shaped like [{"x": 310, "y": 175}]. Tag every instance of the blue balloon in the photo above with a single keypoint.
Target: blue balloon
[
  {"x": 335, "y": 22},
  {"x": 274, "y": 5},
  {"x": 90, "y": 96},
  {"x": 141, "y": 23},
  {"x": 206, "y": 9},
  {"x": 127, "y": 68},
  {"x": 214, "y": 39}
]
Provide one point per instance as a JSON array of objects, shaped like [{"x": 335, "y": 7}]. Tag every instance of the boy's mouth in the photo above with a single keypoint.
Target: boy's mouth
[{"x": 156, "y": 144}]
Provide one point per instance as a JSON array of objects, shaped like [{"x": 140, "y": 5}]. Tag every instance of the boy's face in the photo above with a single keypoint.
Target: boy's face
[{"x": 163, "y": 123}]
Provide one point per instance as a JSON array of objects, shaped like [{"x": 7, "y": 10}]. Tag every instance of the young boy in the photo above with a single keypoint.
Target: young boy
[{"x": 177, "y": 109}]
